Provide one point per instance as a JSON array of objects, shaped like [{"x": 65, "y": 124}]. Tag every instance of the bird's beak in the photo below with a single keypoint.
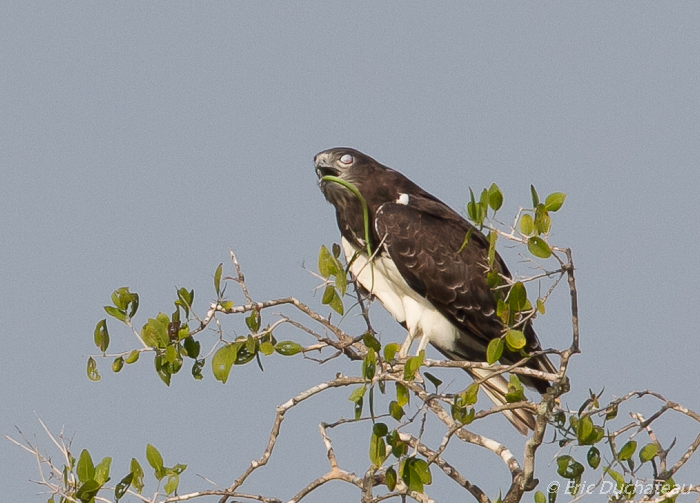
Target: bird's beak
[{"x": 324, "y": 165}]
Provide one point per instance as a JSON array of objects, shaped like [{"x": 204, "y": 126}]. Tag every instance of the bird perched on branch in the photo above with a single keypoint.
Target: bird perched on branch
[{"x": 420, "y": 270}]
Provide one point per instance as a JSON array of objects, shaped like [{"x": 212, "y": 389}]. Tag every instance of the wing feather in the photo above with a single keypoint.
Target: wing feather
[{"x": 424, "y": 239}]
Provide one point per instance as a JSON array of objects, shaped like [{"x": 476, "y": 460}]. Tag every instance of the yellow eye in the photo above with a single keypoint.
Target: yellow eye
[{"x": 346, "y": 159}]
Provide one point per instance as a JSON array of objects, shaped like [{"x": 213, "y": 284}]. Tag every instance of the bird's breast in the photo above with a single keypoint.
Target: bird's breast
[{"x": 384, "y": 281}]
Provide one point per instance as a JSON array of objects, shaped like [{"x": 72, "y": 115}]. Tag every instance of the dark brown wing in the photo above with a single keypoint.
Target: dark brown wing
[{"x": 424, "y": 238}]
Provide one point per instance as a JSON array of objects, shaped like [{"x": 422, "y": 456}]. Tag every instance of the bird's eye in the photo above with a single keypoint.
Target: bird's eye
[{"x": 346, "y": 159}]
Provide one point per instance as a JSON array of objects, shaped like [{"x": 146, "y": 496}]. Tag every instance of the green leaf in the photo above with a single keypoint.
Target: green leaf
[
  {"x": 267, "y": 348},
  {"x": 395, "y": 410},
  {"x": 585, "y": 431},
  {"x": 102, "y": 335},
  {"x": 116, "y": 313},
  {"x": 477, "y": 210},
  {"x": 527, "y": 225},
  {"x": 415, "y": 474},
  {"x": 568, "y": 467},
  {"x": 543, "y": 223},
  {"x": 554, "y": 201},
  {"x": 133, "y": 356},
  {"x": 460, "y": 413},
  {"x": 471, "y": 206},
  {"x": 172, "y": 483},
  {"x": 171, "y": 354},
  {"x": 358, "y": 409},
  {"x": 326, "y": 264},
  {"x": 467, "y": 237},
  {"x": 377, "y": 450},
  {"x": 197, "y": 367},
  {"x": 515, "y": 390},
  {"x": 185, "y": 299},
  {"x": 539, "y": 247},
  {"x": 191, "y": 346},
  {"x": 540, "y": 307},
  {"x": 87, "y": 492},
  {"x": 493, "y": 280},
  {"x": 593, "y": 457},
  {"x": 401, "y": 394},
  {"x": 183, "y": 333},
  {"x": 390, "y": 478},
  {"x": 515, "y": 340},
  {"x": 436, "y": 382},
  {"x": 540, "y": 497},
  {"x": 648, "y": 452},
  {"x": 535, "y": 197},
  {"x": 155, "y": 460},
  {"x": 217, "y": 279},
  {"x": 617, "y": 477},
  {"x": 666, "y": 487},
  {"x": 336, "y": 303},
  {"x": 85, "y": 469},
  {"x": 102, "y": 470},
  {"x": 412, "y": 365},
  {"x": 341, "y": 281},
  {"x": 611, "y": 412},
  {"x": 329, "y": 265},
  {"x": 398, "y": 448},
  {"x": 250, "y": 344},
  {"x": 123, "y": 299},
  {"x": 371, "y": 342},
  {"x": 627, "y": 450},
  {"x": 117, "y": 364},
  {"x": 493, "y": 237},
  {"x": 390, "y": 351},
  {"x": 123, "y": 485},
  {"x": 223, "y": 359},
  {"x": 495, "y": 197},
  {"x": 155, "y": 332},
  {"x": 484, "y": 200},
  {"x": 178, "y": 468},
  {"x": 163, "y": 369},
  {"x": 517, "y": 297},
  {"x": 369, "y": 364},
  {"x": 494, "y": 350},
  {"x": 357, "y": 394},
  {"x": 253, "y": 321},
  {"x": 137, "y": 480},
  {"x": 92, "y": 372},
  {"x": 244, "y": 356},
  {"x": 287, "y": 348},
  {"x": 329, "y": 295},
  {"x": 470, "y": 395},
  {"x": 503, "y": 310},
  {"x": 380, "y": 429}
]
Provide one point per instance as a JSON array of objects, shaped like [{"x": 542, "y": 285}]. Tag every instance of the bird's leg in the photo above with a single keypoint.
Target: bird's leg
[
  {"x": 406, "y": 346},
  {"x": 423, "y": 343}
]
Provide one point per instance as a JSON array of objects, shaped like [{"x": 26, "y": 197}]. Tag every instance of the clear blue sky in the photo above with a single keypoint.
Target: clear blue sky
[{"x": 139, "y": 141}]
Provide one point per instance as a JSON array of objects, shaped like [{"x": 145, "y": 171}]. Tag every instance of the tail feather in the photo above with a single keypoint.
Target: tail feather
[{"x": 496, "y": 388}]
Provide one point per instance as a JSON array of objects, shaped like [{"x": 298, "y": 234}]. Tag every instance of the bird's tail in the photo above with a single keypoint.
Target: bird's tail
[{"x": 496, "y": 388}]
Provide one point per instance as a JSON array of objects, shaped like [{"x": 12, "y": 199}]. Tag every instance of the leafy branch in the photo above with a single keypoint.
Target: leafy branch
[{"x": 394, "y": 396}]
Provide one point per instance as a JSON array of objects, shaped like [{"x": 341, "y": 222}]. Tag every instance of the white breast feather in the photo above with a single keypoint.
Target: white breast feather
[{"x": 384, "y": 280}]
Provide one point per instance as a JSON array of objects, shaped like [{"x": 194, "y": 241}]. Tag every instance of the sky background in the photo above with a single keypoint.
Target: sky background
[{"x": 139, "y": 141}]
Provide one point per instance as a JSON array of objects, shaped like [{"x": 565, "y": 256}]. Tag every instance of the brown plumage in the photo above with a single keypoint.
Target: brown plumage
[{"x": 420, "y": 239}]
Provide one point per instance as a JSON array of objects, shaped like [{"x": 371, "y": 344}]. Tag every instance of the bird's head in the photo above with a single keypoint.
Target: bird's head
[
  {"x": 346, "y": 164},
  {"x": 343, "y": 162}
]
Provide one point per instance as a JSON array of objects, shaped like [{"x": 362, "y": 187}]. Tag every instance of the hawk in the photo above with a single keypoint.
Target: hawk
[{"x": 421, "y": 272}]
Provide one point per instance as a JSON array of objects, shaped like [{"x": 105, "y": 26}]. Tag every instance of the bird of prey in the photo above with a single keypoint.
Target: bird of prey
[{"x": 420, "y": 271}]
